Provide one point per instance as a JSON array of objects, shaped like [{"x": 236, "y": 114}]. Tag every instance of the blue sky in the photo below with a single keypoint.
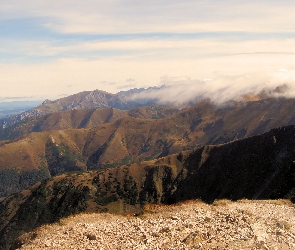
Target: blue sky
[{"x": 52, "y": 49}]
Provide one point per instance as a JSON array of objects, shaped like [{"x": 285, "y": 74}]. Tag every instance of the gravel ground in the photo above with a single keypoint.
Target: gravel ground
[{"x": 191, "y": 225}]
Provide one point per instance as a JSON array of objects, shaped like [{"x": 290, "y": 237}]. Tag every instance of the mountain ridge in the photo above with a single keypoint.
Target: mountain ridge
[{"x": 81, "y": 118}]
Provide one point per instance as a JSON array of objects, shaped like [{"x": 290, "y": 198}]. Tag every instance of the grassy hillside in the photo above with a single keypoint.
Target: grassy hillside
[{"x": 81, "y": 118}]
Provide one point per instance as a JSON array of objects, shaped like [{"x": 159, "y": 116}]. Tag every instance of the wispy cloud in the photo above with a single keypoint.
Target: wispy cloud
[
  {"x": 159, "y": 48},
  {"x": 127, "y": 16},
  {"x": 15, "y": 98}
]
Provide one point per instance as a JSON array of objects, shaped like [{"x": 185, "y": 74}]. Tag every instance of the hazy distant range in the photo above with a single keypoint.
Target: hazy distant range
[{"x": 16, "y": 107}]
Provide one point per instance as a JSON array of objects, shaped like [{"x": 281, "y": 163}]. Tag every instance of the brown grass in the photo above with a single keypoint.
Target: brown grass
[{"x": 221, "y": 202}]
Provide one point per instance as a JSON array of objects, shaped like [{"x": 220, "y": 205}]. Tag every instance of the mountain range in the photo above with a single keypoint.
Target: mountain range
[
  {"x": 39, "y": 155},
  {"x": 123, "y": 100},
  {"x": 81, "y": 118},
  {"x": 96, "y": 151}
]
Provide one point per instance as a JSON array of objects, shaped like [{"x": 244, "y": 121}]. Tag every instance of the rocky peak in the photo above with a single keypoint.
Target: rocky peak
[{"x": 47, "y": 101}]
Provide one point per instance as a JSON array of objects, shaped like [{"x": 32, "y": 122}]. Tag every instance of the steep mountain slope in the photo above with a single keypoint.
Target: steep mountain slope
[
  {"x": 81, "y": 118},
  {"x": 260, "y": 167},
  {"x": 38, "y": 155}
]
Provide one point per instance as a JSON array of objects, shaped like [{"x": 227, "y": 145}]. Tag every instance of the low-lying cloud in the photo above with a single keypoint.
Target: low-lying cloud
[{"x": 221, "y": 88}]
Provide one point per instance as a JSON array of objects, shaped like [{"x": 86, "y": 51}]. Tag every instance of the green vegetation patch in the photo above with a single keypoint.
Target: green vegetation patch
[
  {"x": 13, "y": 180},
  {"x": 61, "y": 159},
  {"x": 103, "y": 199},
  {"x": 25, "y": 157}
]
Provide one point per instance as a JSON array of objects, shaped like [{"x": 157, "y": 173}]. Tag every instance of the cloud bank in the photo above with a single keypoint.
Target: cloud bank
[{"x": 221, "y": 88}]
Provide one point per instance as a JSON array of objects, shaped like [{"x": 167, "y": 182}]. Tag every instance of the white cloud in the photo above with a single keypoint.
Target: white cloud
[{"x": 222, "y": 88}]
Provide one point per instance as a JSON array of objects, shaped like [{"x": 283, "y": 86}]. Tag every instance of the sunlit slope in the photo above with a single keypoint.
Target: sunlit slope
[{"x": 81, "y": 118}]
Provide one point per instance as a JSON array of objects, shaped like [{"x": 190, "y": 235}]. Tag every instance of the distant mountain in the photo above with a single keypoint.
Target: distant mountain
[
  {"x": 259, "y": 167},
  {"x": 16, "y": 107},
  {"x": 83, "y": 100},
  {"x": 37, "y": 156}
]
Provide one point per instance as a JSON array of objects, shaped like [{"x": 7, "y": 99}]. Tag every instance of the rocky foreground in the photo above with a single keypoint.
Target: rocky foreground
[{"x": 191, "y": 225}]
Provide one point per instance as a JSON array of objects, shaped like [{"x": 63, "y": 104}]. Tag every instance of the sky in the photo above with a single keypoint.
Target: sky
[{"x": 51, "y": 49}]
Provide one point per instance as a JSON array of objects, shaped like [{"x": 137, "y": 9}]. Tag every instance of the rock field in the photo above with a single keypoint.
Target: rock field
[{"x": 190, "y": 225}]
